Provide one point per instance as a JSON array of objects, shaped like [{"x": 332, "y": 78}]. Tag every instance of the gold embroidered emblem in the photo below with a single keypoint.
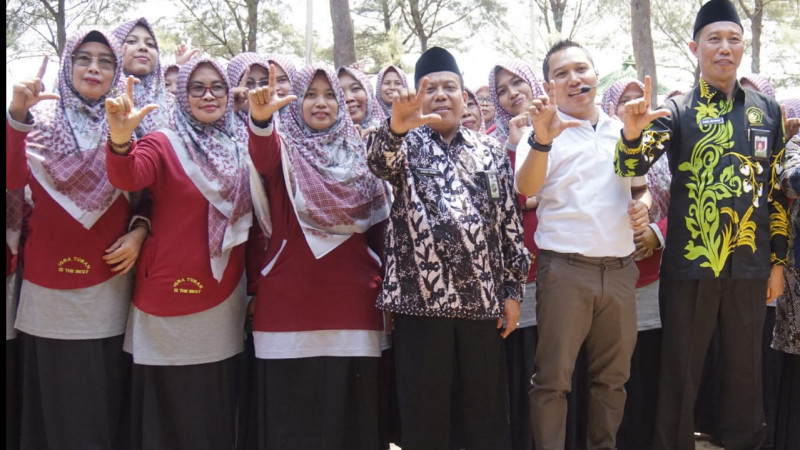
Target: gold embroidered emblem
[
  {"x": 74, "y": 265},
  {"x": 187, "y": 285},
  {"x": 755, "y": 116}
]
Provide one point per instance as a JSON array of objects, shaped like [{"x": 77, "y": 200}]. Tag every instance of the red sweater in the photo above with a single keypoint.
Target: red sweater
[
  {"x": 529, "y": 224},
  {"x": 173, "y": 275},
  {"x": 59, "y": 252},
  {"x": 301, "y": 293},
  {"x": 650, "y": 266}
]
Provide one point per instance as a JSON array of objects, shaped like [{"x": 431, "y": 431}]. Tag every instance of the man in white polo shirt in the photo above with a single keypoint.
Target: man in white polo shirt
[{"x": 586, "y": 277}]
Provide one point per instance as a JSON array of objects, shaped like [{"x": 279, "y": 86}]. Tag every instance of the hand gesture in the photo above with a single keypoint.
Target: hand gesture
[
  {"x": 516, "y": 126},
  {"x": 637, "y": 114},
  {"x": 365, "y": 132},
  {"x": 122, "y": 115},
  {"x": 183, "y": 54},
  {"x": 240, "y": 92},
  {"x": 547, "y": 125},
  {"x": 28, "y": 93},
  {"x": 407, "y": 109},
  {"x": 264, "y": 101},
  {"x": 124, "y": 251},
  {"x": 790, "y": 126}
]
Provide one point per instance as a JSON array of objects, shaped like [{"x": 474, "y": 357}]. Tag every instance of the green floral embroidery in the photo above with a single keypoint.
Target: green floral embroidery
[{"x": 711, "y": 238}]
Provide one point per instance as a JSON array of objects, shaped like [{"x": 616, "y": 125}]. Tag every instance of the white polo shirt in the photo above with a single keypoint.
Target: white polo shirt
[{"x": 583, "y": 204}]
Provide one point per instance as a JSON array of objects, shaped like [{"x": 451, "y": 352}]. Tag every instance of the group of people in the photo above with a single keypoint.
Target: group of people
[{"x": 260, "y": 256}]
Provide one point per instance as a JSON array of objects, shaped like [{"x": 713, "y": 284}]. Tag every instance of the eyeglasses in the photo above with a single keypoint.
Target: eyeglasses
[
  {"x": 85, "y": 60},
  {"x": 199, "y": 90},
  {"x": 259, "y": 83},
  {"x": 484, "y": 100}
]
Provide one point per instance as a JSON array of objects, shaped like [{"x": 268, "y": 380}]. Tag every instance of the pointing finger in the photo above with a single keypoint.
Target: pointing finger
[
  {"x": 423, "y": 86},
  {"x": 272, "y": 76},
  {"x": 243, "y": 81},
  {"x": 647, "y": 90},
  {"x": 43, "y": 67},
  {"x": 129, "y": 86},
  {"x": 551, "y": 93}
]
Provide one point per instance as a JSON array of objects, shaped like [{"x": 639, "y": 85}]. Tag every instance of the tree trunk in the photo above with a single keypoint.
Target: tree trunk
[
  {"x": 344, "y": 45},
  {"x": 252, "y": 25},
  {"x": 643, "y": 44},
  {"x": 755, "y": 28}
]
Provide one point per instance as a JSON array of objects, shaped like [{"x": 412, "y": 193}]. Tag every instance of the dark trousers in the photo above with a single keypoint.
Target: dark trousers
[
  {"x": 690, "y": 309},
  {"x": 430, "y": 355},
  {"x": 582, "y": 300}
]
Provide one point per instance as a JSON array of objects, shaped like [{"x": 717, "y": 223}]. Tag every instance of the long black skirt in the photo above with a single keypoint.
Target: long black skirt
[
  {"x": 639, "y": 419},
  {"x": 75, "y": 394},
  {"x": 12, "y": 394},
  {"x": 787, "y": 431},
  {"x": 184, "y": 407},
  {"x": 320, "y": 403}
]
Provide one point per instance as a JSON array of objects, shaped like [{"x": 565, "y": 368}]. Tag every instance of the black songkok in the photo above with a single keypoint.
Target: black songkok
[
  {"x": 716, "y": 11},
  {"x": 435, "y": 59}
]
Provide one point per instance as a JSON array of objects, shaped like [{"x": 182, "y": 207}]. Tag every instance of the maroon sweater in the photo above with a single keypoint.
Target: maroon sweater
[
  {"x": 300, "y": 292},
  {"x": 173, "y": 275},
  {"x": 59, "y": 252}
]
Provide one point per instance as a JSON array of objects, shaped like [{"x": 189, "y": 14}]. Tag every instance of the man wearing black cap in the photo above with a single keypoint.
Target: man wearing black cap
[
  {"x": 455, "y": 262},
  {"x": 727, "y": 237}
]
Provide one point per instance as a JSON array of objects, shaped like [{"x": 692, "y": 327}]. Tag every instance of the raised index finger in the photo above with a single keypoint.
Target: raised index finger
[
  {"x": 647, "y": 90},
  {"x": 43, "y": 68},
  {"x": 551, "y": 93},
  {"x": 129, "y": 86},
  {"x": 243, "y": 81},
  {"x": 423, "y": 86}
]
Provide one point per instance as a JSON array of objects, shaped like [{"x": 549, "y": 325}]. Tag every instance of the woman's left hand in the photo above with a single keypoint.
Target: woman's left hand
[{"x": 124, "y": 251}]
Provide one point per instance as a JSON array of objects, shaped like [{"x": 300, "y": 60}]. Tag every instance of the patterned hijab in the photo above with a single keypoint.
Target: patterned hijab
[
  {"x": 387, "y": 107},
  {"x": 611, "y": 96},
  {"x": 333, "y": 191},
  {"x": 374, "y": 116},
  {"x": 150, "y": 88},
  {"x": 236, "y": 69},
  {"x": 66, "y": 148},
  {"x": 217, "y": 162},
  {"x": 761, "y": 83},
  {"x": 501, "y": 116}
]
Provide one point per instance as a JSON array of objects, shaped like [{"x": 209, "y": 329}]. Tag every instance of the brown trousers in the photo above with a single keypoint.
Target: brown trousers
[{"x": 582, "y": 299}]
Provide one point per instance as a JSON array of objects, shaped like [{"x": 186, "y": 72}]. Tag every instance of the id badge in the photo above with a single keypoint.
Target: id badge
[
  {"x": 759, "y": 144},
  {"x": 492, "y": 184},
  {"x": 428, "y": 172}
]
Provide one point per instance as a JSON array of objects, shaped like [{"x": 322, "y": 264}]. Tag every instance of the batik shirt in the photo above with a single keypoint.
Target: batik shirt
[
  {"x": 454, "y": 243},
  {"x": 727, "y": 214}
]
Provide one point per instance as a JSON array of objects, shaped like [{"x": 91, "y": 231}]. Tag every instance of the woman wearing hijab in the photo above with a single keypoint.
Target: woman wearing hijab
[
  {"x": 484, "y": 100},
  {"x": 389, "y": 82},
  {"x": 636, "y": 430},
  {"x": 360, "y": 100},
  {"x": 472, "y": 117},
  {"x": 512, "y": 86},
  {"x": 323, "y": 334},
  {"x": 141, "y": 58},
  {"x": 786, "y": 338},
  {"x": 185, "y": 324},
  {"x": 75, "y": 291},
  {"x": 246, "y": 71}
]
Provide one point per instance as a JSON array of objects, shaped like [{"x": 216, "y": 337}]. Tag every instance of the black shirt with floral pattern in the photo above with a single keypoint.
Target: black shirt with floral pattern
[
  {"x": 727, "y": 213},
  {"x": 454, "y": 244}
]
